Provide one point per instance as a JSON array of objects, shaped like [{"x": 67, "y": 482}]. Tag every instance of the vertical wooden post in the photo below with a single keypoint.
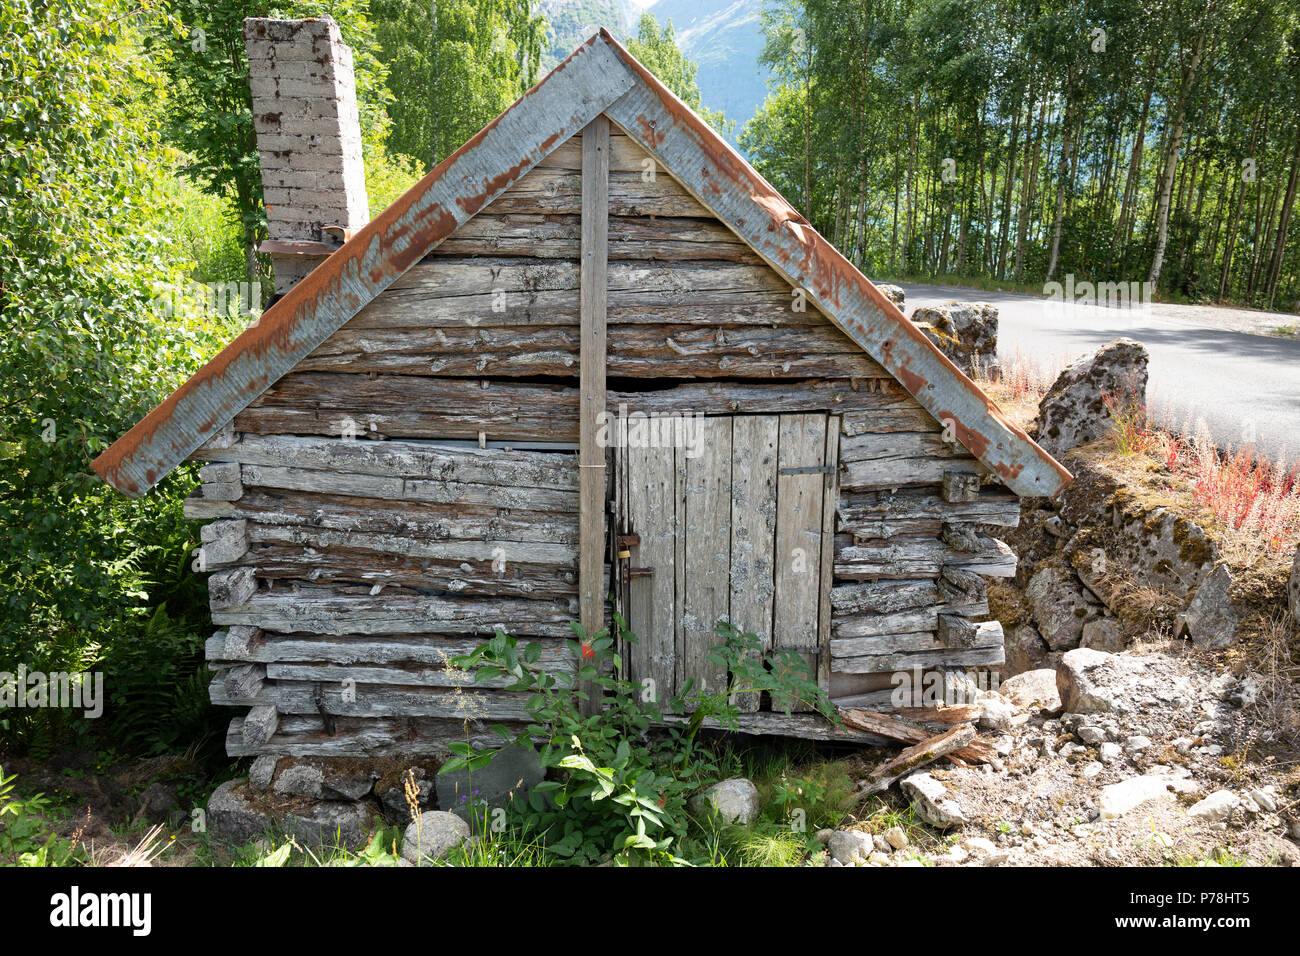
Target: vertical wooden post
[{"x": 592, "y": 336}]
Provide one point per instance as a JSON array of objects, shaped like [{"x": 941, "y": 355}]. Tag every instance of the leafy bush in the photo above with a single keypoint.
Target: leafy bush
[{"x": 620, "y": 777}]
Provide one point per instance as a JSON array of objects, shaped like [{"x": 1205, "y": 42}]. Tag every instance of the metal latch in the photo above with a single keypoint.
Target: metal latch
[{"x": 807, "y": 470}]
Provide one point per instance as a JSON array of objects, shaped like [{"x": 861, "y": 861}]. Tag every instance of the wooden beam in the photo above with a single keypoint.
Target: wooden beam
[{"x": 592, "y": 336}]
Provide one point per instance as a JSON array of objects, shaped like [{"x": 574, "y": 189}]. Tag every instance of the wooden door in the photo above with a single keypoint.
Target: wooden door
[{"x": 737, "y": 527}]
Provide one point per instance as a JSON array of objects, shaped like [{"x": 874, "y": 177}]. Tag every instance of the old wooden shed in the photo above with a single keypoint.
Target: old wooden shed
[{"x": 594, "y": 329}]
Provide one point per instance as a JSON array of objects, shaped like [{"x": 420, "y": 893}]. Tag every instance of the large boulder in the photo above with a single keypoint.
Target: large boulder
[
  {"x": 966, "y": 332},
  {"x": 507, "y": 778},
  {"x": 1093, "y": 681},
  {"x": 433, "y": 834},
  {"x": 1060, "y": 606},
  {"x": 1077, "y": 408},
  {"x": 1026, "y": 651},
  {"x": 734, "y": 800}
]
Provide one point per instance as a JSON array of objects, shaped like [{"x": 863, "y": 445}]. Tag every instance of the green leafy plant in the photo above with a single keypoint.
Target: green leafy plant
[
  {"x": 619, "y": 779},
  {"x": 25, "y": 835}
]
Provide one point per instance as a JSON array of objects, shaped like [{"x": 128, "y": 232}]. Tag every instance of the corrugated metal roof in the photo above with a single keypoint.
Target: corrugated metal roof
[{"x": 599, "y": 77}]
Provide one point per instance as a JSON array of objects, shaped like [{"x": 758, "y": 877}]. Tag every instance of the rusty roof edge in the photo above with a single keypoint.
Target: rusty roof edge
[
  {"x": 839, "y": 289},
  {"x": 558, "y": 106}
]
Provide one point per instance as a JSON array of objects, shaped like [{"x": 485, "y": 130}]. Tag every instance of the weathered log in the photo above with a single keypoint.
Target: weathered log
[
  {"x": 634, "y": 351},
  {"x": 231, "y": 588},
  {"x": 923, "y": 660},
  {"x": 457, "y": 575},
  {"x": 348, "y": 649},
  {"x": 429, "y": 521},
  {"x": 918, "y": 755},
  {"x": 857, "y": 509},
  {"x": 410, "y": 489},
  {"x": 243, "y": 680},
  {"x": 259, "y": 725},
  {"x": 903, "y": 622},
  {"x": 920, "y": 558},
  {"x": 505, "y": 553},
  {"x": 222, "y": 542},
  {"x": 324, "y": 612},
  {"x": 409, "y": 459},
  {"x": 959, "y": 486},
  {"x": 413, "y": 406}
]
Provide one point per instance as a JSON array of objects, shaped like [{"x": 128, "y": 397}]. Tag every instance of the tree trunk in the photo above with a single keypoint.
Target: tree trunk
[{"x": 1171, "y": 160}]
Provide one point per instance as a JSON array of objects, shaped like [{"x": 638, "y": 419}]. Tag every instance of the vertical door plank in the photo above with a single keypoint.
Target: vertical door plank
[
  {"x": 799, "y": 518},
  {"x": 829, "y": 505},
  {"x": 753, "y": 530},
  {"x": 652, "y": 600},
  {"x": 707, "y": 555},
  {"x": 592, "y": 336}
]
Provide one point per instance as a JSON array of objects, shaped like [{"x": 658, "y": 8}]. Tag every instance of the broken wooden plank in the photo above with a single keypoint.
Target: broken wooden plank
[{"x": 918, "y": 755}]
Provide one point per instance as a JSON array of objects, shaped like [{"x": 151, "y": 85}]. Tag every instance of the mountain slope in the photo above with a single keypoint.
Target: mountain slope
[
  {"x": 572, "y": 21},
  {"x": 725, "y": 38}
]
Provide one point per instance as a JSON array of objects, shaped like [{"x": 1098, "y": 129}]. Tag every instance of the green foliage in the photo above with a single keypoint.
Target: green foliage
[
  {"x": 1025, "y": 140},
  {"x": 619, "y": 788},
  {"x": 209, "y": 109},
  {"x": 85, "y": 189},
  {"x": 453, "y": 65},
  {"x": 26, "y": 836},
  {"x": 658, "y": 52}
]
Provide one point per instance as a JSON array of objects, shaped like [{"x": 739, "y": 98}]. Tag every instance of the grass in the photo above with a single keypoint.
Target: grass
[{"x": 1255, "y": 502}]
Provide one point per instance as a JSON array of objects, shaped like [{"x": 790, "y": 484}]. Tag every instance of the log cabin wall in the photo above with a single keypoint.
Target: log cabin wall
[{"x": 413, "y": 484}]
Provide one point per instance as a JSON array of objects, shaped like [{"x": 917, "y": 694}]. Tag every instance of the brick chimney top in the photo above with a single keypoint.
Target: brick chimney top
[{"x": 308, "y": 141}]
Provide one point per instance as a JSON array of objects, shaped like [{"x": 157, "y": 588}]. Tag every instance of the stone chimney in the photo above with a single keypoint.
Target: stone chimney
[{"x": 309, "y": 141}]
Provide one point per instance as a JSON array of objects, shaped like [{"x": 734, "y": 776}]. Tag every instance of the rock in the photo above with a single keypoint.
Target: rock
[
  {"x": 508, "y": 777},
  {"x": 824, "y": 835},
  {"x": 1118, "y": 799},
  {"x": 1077, "y": 408},
  {"x": 1025, "y": 650},
  {"x": 1136, "y": 744},
  {"x": 157, "y": 802},
  {"x": 734, "y": 801},
  {"x": 1060, "y": 606},
  {"x": 1211, "y": 619},
  {"x": 1033, "y": 689},
  {"x": 896, "y": 838},
  {"x": 878, "y": 859},
  {"x": 235, "y": 815},
  {"x": 849, "y": 846},
  {"x": 931, "y": 801},
  {"x": 892, "y": 292},
  {"x": 262, "y": 771},
  {"x": 1104, "y": 634},
  {"x": 980, "y": 845},
  {"x": 432, "y": 835},
  {"x": 390, "y": 788},
  {"x": 966, "y": 332},
  {"x": 1293, "y": 588},
  {"x": 1090, "y": 735},
  {"x": 1264, "y": 800},
  {"x": 999, "y": 714},
  {"x": 1093, "y": 682},
  {"x": 299, "y": 780},
  {"x": 1091, "y": 769},
  {"x": 1217, "y": 806}
]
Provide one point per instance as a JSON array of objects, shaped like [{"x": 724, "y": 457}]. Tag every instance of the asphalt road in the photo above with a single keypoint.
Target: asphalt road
[{"x": 1244, "y": 386}]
